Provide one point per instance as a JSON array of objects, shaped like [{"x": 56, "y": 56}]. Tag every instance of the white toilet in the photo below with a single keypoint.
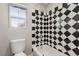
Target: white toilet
[{"x": 17, "y": 47}]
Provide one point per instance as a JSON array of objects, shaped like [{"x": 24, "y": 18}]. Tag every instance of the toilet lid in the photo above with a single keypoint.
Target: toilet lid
[{"x": 20, "y": 54}]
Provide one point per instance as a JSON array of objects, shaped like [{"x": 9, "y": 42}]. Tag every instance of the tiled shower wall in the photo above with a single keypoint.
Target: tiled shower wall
[
  {"x": 59, "y": 29},
  {"x": 40, "y": 28}
]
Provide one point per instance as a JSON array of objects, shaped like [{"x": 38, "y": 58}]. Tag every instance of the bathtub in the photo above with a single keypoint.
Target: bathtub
[{"x": 46, "y": 50}]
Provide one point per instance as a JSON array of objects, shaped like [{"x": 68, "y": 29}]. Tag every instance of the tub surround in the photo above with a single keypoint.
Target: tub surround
[
  {"x": 66, "y": 31},
  {"x": 39, "y": 29},
  {"x": 59, "y": 28}
]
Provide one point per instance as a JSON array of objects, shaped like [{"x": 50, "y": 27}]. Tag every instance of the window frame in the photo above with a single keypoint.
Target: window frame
[{"x": 18, "y": 6}]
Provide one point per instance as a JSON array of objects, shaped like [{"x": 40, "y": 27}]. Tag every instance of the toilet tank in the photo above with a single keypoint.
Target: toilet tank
[{"x": 17, "y": 45}]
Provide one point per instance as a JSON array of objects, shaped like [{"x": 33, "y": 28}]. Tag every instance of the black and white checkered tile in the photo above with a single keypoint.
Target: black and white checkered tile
[
  {"x": 66, "y": 29},
  {"x": 39, "y": 28},
  {"x": 58, "y": 29}
]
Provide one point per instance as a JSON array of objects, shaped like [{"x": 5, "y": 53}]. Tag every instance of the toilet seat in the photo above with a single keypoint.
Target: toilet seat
[{"x": 20, "y": 54}]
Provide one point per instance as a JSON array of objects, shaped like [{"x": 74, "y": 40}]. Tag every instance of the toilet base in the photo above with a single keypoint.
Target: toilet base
[{"x": 20, "y": 54}]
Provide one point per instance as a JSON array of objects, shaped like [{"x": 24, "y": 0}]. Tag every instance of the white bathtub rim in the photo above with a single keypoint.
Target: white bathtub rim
[{"x": 35, "y": 49}]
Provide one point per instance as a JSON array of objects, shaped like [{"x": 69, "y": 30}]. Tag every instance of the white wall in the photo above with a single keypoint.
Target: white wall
[
  {"x": 4, "y": 41},
  {"x": 7, "y": 34},
  {"x": 51, "y": 6}
]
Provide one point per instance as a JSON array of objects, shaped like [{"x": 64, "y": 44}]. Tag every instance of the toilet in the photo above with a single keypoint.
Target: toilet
[{"x": 17, "y": 47}]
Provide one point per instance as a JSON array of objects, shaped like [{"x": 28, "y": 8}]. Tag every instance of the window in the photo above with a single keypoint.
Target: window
[{"x": 17, "y": 16}]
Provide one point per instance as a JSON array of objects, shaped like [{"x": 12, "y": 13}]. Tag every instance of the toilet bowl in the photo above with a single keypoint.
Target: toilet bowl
[{"x": 17, "y": 47}]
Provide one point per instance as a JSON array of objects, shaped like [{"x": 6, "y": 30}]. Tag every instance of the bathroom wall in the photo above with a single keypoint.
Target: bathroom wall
[
  {"x": 64, "y": 33},
  {"x": 37, "y": 27},
  {"x": 7, "y": 33},
  {"x": 66, "y": 26},
  {"x": 4, "y": 41},
  {"x": 42, "y": 28},
  {"x": 42, "y": 32}
]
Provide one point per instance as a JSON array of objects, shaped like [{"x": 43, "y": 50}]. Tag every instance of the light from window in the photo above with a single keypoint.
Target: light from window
[{"x": 17, "y": 16}]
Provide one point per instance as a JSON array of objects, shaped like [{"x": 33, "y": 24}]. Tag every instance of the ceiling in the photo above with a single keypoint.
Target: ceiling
[{"x": 44, "y": 4}]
